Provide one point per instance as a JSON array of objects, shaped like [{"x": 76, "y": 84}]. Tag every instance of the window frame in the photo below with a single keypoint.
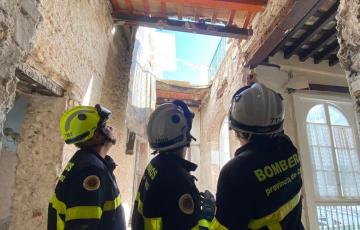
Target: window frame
[
  {"x": 302, "y": 102},
  {"x": 340, "y": 197}
]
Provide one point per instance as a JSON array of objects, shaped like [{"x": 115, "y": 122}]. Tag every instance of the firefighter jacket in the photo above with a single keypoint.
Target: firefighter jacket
[
  {"x": 167, "y": 197},
  {"x": 260, "y": 187},
  {"x": 87, "y": 196}
]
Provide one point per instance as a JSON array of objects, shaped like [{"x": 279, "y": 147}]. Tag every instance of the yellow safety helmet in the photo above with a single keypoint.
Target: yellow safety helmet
[{"x": 78, "y": 124}]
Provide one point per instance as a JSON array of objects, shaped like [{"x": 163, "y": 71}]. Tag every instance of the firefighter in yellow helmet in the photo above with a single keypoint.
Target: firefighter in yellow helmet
[{"x": 87, "y": 196}]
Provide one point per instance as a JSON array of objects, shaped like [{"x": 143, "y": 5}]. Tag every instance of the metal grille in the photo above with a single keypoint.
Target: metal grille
[{"x": 338, "y": 216}]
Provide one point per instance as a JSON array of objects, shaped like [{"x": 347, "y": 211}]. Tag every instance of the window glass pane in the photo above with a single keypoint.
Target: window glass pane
[
  {"x": 318, "y": 134},
  {"x": 316, "y": 114},
  {"x": 348, "y": 184},
  {"x": 326, "y": 184},
  {"x": 348, "y": 164},
  {"x": 337, "y": 117},
  {"x": 355, "y": 160},
  {"x": 326, "y": 159},
  {"x": 343, "y": 137}
]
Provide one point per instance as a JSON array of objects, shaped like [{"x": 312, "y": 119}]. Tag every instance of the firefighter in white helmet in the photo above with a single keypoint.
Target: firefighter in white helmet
[
  {"x": 260, "y": 187},
  {"x": 167, "y": 197}
]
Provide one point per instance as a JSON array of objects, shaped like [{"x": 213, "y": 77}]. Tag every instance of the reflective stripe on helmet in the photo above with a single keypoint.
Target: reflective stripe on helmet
[
  {"x": 254, "y": 129},
  {"x": 162, "y": 144}
]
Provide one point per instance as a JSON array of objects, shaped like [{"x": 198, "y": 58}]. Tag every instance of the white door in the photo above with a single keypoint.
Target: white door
[{"x": 329, "y": 149}]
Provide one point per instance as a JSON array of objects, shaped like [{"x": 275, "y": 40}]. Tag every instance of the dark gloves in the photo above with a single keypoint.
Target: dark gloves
[{"x": 207, "y": 205}]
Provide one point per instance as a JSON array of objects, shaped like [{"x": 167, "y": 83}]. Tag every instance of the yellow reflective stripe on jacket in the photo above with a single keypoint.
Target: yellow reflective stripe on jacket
[
  {"x": 60, "y": 208},
  {"x": 58, "y": 205},
  {"x": 272, "y": 221},
  {"x": 111, "y": 205},
  {"x": 202, "y": 223},
  {"x": 152, "y": 223},
  {"x": 149, "y": 223},
  {"x": 83, "y": 212},
  {"x": 216, "y": 225},
  {"x": 140, "y": 204}
]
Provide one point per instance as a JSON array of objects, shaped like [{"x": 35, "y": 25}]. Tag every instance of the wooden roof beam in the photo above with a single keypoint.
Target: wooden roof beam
[
  {"x": 190, "y": 27},
  {"x": 316, "y": 28},
  {"x": 245, "y": 5}
]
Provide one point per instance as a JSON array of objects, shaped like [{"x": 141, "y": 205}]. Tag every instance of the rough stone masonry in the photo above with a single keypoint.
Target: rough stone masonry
[{"x": 348, "y": 26}]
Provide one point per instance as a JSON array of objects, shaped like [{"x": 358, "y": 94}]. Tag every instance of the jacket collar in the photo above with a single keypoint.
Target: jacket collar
[{"x": 187, "y": 165}]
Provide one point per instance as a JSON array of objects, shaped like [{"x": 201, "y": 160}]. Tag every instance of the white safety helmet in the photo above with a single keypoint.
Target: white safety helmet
[
  {"x": 169, "y": 126},
  {"x": 256, "y": 109}
]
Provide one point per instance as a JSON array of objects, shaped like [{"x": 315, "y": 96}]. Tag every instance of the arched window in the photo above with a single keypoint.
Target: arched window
[{"x": 334, "y": 156}]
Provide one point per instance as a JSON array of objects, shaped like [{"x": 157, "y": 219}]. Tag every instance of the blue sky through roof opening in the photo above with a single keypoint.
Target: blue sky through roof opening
[{"x": 194, "y": 53}]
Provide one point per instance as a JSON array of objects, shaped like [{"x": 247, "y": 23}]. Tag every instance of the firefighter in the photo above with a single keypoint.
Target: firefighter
[
  {"x": 260, "y": 187},
  {"x": 167, "y": 197},
  {"x": 87, "y": 196}
]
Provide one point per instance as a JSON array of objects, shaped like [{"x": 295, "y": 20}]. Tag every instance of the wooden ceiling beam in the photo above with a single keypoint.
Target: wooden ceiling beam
[
  {"x": 129, "y": 5},
  {"x": 327, "y": 52},
  {"x": 247, "y": 19},
  {"x": 163, "y": 9},
  {"x": 146, "y": 7},
  {"x": 214, "y": 17},
  {"x": 196, "y": 14},
  {"x": 231, "y": 18},
  {"x": 315, "y": 28},
  {"x": 301, "y": 24},
  {"x": 289, "y": 20},
  {"x": 324, "y": 39},
  {"x": 179, "y": 10},
  {"x": 333, "y": 60},
  {"x": 190, "y": 27},
  {"x": 115, "y": 5},
  {"x": 245, "y": 5}
]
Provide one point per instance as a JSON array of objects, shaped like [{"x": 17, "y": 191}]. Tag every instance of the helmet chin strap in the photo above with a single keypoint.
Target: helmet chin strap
[{"x": 107, "y": 137}]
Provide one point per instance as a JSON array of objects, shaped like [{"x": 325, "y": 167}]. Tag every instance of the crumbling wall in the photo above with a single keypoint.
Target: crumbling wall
[
  {"x": 39, "y": 162},
  {"x": 348, "y": 26},
  {"x": 18, "y": 20},
  {"x": 72, "y": 44},
  {"x": 115, "y": 95}
]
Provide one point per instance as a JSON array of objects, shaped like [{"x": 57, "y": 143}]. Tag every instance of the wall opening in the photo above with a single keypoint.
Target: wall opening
[{"x": 9, "y": 158}]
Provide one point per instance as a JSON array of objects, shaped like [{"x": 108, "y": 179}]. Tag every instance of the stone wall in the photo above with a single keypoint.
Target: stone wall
[
  {"x": 18, "y": 20},
  {"x": 114, "y": 96},
  {"x": 8, "y": 162},
  {"x": 39, "y": 162},
  {"x": 348, "y": 26},
  {"x": 72, "y": 45}
]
